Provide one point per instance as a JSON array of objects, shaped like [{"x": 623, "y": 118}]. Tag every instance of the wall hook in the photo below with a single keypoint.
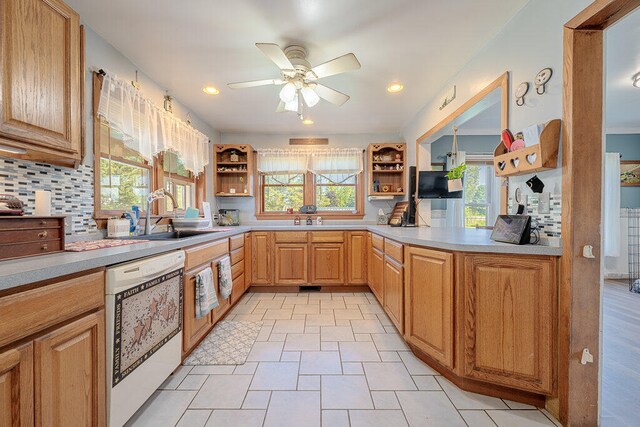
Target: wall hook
[
  {"x": 521, "y": 91},
  {"x": 542, "y": 79}
]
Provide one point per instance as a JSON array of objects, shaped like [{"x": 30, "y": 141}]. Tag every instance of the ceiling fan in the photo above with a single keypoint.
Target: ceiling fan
[{"x": 300, "y": 79}]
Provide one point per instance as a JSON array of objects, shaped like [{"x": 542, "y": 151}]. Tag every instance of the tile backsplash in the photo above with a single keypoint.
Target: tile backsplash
[
  {"x": 71, "y": 189},
  {"x": 550, "y": 223}
]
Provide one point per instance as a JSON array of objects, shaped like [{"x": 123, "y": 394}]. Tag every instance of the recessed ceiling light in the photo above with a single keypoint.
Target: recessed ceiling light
[
  {"x": 210, "y": 90},
  {"x": 636, "y": 80},
  {"x": 307, "y": 121},
  {"x": 395, "y": 88}
]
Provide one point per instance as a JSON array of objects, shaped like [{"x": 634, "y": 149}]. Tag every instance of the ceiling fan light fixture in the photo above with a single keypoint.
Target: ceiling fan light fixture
[
  {"x": 288, "y": 92},
  {"x": 310, "y": 96},
  {"x": 292, "y": 105}
]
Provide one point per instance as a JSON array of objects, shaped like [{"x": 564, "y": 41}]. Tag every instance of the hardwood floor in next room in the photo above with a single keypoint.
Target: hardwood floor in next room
[
  {"x": 324, "y": 359},
  {"x": 621, "y": 355}
]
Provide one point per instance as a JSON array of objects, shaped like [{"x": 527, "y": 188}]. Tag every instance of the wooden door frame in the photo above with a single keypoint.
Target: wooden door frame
[{"x": 582, "y": 153}]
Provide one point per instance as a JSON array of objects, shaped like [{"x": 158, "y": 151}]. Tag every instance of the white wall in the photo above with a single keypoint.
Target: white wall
[
  {"x": 257, "y": 141},
  {"x": 533, "y": 40}
]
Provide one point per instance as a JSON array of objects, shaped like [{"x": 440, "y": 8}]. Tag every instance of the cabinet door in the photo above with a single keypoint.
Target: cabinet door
[
  {"x": 357, "y": 258},
  {"x": 70, "y": 374},
  {"x": 394, "y": 292},
  {"x": 16, "y": 386},
  {"x": 327, "y": 263},
  {"x": 376, "y": 273},
  {"x": 509, "y": 320},
  {"x": 261, "y": 258},
  {"x": 41, "y": 77},
  {"x": 247, "y": 260},
  {"x": 429, "y": 303},
  {"x": 291, "y": 260},
  {"x": 193, "y": 330},
  {"x": 223, "y": 304}
]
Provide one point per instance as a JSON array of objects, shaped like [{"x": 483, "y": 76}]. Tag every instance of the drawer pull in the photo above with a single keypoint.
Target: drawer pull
[
  {"x": 43, "y": 222},
  {"x": 43, "y": 235},
  {"x": 44, "y": 247}
]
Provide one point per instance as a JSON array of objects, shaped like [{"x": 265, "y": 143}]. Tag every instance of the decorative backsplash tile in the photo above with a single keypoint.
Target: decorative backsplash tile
[
  {"x": 71, "y": 189},
  {"x": 551, "y": 223}
]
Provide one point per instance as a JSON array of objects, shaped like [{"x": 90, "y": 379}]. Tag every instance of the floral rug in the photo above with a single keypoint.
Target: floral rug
[{"x": 229, "y": 343}]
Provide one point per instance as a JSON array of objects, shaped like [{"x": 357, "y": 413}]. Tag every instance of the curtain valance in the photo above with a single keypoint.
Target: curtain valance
[
  {"x": 149, "y": 129},
  {"x": 345, "y": 162}
]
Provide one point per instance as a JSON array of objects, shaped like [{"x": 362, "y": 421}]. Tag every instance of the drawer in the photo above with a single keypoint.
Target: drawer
[
  {"x": 202, "y": 254},
  {"x": 377, "y": 242},
  {"x": 236, "y": 242},
  {"x": 237, "y": 270},
  {"x": 327, "y": 236},
  {"x": 394, "y": 250},
  {"x": 291, "y": 236},
  {"x": 237, "y": 255},
  {"x": 22, "y": 223},
  {"x": 32, "y": 311},
  {"x": 29, "y": 235},
  {"x": 238, "y": 288},
  {"x": 32, "y": 248}
]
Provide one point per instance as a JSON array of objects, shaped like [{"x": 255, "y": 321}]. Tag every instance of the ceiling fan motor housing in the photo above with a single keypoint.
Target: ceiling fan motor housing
[{"x": 298, "y": 57}]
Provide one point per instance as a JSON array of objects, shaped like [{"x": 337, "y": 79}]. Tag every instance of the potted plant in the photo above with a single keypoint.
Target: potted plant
[{"x": 455, "y": 177}]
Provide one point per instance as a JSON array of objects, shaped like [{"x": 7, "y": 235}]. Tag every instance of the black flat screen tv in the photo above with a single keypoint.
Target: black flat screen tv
[{"x": 434, "y": 185}]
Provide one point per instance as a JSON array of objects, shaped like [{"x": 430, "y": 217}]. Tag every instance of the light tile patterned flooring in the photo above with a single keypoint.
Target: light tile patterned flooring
[{"x": 324, "y": 359}]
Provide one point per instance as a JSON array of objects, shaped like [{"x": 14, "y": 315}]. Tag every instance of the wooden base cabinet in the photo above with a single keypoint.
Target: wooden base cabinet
[
  {"x": 16, "y": 386},
  {"x": 291, "y": 261},
  {"x": 510, "y": 320},
  {"x": 376, "y": 273},
  {"x": 261, "y": 258},
  {"x": 327, "y": 264},
  {"x": 394, "y": 292},
  {"x": 193, "y": 330},
  {"x": 429, "y": 303},
  {"x": 70, "y": 374},
  {"x": 357, "y": 258}
]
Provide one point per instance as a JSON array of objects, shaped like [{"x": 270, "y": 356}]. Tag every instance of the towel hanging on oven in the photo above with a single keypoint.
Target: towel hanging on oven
[
  {"x": 206, "y": 298},
  {"x": 224, "y": 276}
]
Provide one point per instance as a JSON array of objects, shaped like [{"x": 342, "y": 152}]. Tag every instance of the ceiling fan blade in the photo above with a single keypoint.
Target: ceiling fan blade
[
  {"x": 276, "y": 54},
  {"x": 280, "y": 108},
  {"x": 241, "y": 85},
  {"x": 338, "y": 65},
  {"x": 331, "y": 95}
]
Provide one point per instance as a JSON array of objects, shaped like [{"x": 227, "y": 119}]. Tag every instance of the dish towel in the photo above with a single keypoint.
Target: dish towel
[
  {"x": 224, "y": 275},
  {"x": 206, "y": 298}
]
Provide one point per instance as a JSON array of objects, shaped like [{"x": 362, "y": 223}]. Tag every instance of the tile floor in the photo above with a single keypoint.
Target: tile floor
[{"x": 327, "y": 360}]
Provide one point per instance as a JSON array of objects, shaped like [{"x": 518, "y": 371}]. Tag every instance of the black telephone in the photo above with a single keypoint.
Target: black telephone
[
  {"x": 309, "y": 209},
  {"x": 10, "y": 205}
]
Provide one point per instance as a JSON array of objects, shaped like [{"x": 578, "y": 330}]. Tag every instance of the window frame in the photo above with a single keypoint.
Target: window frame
[
  {"x": 489, "y": 193},
  {"x": 309, "y": 198},
  {"x": 163, "y": 176},
  {"x": 156, "y": 171}
]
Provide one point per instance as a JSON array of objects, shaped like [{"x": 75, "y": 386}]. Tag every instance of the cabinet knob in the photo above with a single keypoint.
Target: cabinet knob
[
  {"x": 43, "y": 222},
  {"x": 44, "y": 247},
  {"x": 43, "y": 235}
]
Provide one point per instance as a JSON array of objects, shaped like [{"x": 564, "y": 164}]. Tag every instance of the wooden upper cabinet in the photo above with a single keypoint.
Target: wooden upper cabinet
[
  {"x": 376, "y": 273},
  {"x": 70, "y": 374},
  {"x": 510, "y": 320},
  {"x": 42, "y": 80},
  {"x": 291, "y": 264},
  {"x": 16, "y": 386},
  {"x": 429, "y": 303},
  {"x": 327, "y": 264},
  {"x": 357, "y": 258},
  {"x": 261, "y": 258},
  {"x": 394, "y": 292}
]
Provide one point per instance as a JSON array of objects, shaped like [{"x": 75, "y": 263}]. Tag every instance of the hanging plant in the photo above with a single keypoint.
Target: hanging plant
[{"x": 455, "y": 177}]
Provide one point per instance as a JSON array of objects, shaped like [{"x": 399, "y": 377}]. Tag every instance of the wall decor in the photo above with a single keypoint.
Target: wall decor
[
  {"x": 521, "y": 91},
  {"x": 630, "y": 173},
  {"x": 448, "y": 99},
  {"x": 542, "y": 78}
]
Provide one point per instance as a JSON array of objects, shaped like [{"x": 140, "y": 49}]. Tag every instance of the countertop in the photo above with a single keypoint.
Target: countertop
[{"x": 23, "y": 271}]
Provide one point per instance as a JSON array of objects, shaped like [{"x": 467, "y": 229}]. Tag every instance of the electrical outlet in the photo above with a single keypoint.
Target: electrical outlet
[
  {"x": 68, "y": 223},
  {"x": 544, "y": 203}
]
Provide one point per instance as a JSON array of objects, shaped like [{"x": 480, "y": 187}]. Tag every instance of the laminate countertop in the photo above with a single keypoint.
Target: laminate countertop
[{"x": 24, "y": 271}]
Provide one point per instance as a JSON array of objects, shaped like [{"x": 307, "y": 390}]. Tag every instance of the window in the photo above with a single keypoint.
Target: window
[
  {"x": 178, "y": 181},
  {"x": 334, "y": 195},
  {"x": 481, "y": 194},
  {"x": 125, "y": 177}
]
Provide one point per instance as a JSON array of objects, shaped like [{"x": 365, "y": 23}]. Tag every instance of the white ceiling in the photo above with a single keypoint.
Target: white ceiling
[
  {"x": 623, "y": 61},
  {"x": 184, "y": 45}
]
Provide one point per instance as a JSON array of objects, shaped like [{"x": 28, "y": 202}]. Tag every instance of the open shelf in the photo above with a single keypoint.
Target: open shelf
[
  {"x": 240, "y": 157},
  {"x": 386, "y": 155},
  {"x": 532, "y": 159}
]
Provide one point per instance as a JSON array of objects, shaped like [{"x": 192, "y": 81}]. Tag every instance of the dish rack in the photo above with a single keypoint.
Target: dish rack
[{"x": 535, "y": 158}]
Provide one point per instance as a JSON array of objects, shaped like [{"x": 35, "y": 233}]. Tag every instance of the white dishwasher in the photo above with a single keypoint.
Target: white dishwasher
[{"x": 144, "y": 330}]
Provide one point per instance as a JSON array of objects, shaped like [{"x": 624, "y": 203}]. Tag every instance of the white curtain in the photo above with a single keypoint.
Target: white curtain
[
  {"x": 611, "y": 218},
  {"x": 149, "y": 129},
  {"x": 287, "y": 161},
  {"x": 455, "y": 207},
  {"x": 336, "y": 164}
]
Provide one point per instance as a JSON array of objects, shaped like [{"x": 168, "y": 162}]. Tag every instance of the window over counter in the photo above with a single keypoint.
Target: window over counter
[
  {"x": 178, "y": 181},
  {"x": 481, "y": 194},
  {"x": 331, "y": 179}
]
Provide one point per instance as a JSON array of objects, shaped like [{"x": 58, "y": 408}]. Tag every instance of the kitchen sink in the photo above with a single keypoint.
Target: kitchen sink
[{"x": 173, "y": 235}]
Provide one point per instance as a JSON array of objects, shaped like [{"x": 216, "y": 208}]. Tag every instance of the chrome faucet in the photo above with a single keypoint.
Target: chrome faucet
[{"x": 152, "y": 197}]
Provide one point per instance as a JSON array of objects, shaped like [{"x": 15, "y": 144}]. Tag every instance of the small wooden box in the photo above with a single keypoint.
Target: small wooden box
[{"x": 23, "y": 236}]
